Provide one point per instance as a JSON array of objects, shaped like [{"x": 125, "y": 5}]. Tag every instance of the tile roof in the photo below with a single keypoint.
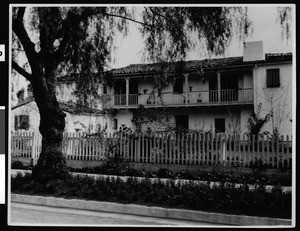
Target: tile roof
[{"x": 205, "y": 63}]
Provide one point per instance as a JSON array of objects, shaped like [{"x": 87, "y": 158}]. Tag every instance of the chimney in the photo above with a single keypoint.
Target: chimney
[{"x": 253, "y": 51}]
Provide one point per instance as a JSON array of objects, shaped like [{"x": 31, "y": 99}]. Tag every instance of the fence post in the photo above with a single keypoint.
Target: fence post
[
  {"x": 138, "y": 147},
  {"x": 223, "y": 149},
  {"x": 33, "y": 150}
]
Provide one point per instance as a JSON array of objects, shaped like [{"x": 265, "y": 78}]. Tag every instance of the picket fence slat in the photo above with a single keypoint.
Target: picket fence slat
[{"x": 162, "y": 148}]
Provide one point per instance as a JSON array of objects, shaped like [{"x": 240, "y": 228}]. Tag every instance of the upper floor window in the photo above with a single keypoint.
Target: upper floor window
[
  {"x": 178, "y": 85},
  {"x": 22, "y": 122},
  {"x": 273, "y": 79}
]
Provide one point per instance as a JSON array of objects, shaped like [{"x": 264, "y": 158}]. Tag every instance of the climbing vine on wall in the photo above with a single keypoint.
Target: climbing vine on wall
[
  {"x": 142, "y": 116},
  {"x": 256, "y": 122}
]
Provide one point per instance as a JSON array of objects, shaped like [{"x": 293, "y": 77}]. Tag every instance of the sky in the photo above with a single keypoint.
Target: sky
[{"x": 265, "y": 28}]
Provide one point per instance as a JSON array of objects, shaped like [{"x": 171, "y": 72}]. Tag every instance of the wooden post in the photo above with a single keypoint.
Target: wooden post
[
  {"x": 191, "y": 150},
  {"x": 178, "y": 148},
  {"x": 273, "y": 152},
  {"x": 186, "y": 82},
  {"x": 289, "y": 165},
  {"x": 127, "y": 91},
  {"x": 33, "y": 149},
  {"x": 203, "y": 150},
  {"x": 277, "y": 151},
  {"x": 282, "y": 152},
  {"x": 224, "y": 140},
  {"x": 219, "y": 86},
  {"x": 244, "y": 151},
  {"x": 207, "y": 151},
  {"x": 239, "y": 151},
  {"x": 268, "y": 154},
  {"x": 138, "y": 147},
  {"x": 229, "y": 151},
  {"x": 195, "y": 148}
]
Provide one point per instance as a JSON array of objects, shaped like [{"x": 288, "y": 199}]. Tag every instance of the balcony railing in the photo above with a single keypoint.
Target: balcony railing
[{"x": 210, "y": 97}]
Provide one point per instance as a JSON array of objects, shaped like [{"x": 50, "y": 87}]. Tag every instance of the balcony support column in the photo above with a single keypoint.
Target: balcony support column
[
  {"x": 127, "y": 91},
  {"x": 186, "y": 82},
  {"x": 219, "y": 85}
]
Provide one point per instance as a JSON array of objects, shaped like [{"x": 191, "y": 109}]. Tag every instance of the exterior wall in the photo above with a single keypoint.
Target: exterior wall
[
  {"x": 28, "y": 109},
  {"x": 200, "y": 119},
  {"x": 82, "y": 122},
  {"x": 247, "y": 80},
  {"x": 236, "y": 118},
  {"x": 277, "y": 99},
  {"x": 124, "y": 117}
]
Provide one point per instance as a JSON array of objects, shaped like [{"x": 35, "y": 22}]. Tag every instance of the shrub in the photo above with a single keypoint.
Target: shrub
[
  {"x": 17, "y": 165},
  {"x": 224, "y": 198}
]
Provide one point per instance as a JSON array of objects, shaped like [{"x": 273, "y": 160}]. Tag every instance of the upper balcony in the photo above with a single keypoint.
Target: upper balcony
[{"x": 190, "y": 99}]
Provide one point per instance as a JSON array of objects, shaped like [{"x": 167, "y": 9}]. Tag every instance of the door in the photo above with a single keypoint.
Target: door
[
  {"x": 182, "y": 122},
  {"x": 229, "y": 87},
  {"x": 220, "y": 125},
  {"x": 120, "y": 92},
  {"x": 213, "y": 89},
  {"x": 133, "y": 92}
]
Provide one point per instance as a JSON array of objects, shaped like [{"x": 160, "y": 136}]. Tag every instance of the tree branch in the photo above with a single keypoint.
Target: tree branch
[
  {"x": 21, "y": 71},
  {"x": 20, "y": 31},
  {"x": 129, "y": 19}
]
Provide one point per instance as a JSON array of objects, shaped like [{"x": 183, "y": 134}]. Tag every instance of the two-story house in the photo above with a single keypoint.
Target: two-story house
[{"x": 217, "y": 95}]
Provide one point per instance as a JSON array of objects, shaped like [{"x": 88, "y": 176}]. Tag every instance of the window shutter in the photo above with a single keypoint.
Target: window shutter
[
  {"x": 273, "y": 79},
  {"x": 26, "y": 122},
  {"x": 269, "y": 78},
  {"x": 16, "y": 122},
  {"x": 276, "y": 82}
]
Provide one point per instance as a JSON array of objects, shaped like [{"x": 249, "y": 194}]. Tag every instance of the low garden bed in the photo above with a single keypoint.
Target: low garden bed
[
  {"x": 119, "y": 169},
  {"x": 221, "y": 198}
]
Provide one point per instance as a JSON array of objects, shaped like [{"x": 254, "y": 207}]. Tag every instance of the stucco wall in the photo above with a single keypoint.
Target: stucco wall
[
  {"x": 28, "y": 109},
  {"x": 202, "y": 119},
  {"x": 279, "y": 99},
  {"x": 124, "y": 117}
]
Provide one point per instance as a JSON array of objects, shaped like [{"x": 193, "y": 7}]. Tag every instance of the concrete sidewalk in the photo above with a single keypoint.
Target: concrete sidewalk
[{"x": 132, "y": 209}]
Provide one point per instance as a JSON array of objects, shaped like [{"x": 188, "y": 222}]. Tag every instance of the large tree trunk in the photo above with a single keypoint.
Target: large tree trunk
[{"x": 51, "y": 163}]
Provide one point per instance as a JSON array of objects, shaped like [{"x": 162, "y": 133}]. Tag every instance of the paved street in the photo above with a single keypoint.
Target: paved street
[{"x": 44, "y": 215}]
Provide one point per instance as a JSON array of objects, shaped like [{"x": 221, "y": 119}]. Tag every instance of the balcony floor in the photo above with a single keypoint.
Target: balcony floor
[{"x": 206, "y": 104}]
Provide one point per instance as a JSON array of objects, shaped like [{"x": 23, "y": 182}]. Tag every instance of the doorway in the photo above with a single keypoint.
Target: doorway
[
  {"x": 182, "y": 122},
  {"x": 220, "y": 125},
  {"x": 213, "y": 88}
]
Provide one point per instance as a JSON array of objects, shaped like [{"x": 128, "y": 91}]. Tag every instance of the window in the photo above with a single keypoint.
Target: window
[
  {"x": 22, "y": 122},
  {"x": 220, "y": 125},
  {"x": 273, "y": 78},
  {"x": 178, "y": 85},
  {"x": 115, "y": 124}
]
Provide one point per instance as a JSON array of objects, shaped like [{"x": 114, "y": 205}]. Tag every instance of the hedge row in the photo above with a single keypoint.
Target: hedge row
[{"x": 224, "y": 198}]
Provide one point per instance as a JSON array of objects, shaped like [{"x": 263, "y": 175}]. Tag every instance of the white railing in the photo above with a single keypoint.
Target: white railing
[
  {"x": 168, "y": 148},
  {"x": 191, "y": 98}
]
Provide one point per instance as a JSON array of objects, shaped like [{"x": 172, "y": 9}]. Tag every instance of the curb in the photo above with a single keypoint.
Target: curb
[{"x": 140, "y": 210}]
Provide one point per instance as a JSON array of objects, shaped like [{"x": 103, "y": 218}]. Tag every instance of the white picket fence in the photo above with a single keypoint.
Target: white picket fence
[{"x": 167, "y": 148}]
